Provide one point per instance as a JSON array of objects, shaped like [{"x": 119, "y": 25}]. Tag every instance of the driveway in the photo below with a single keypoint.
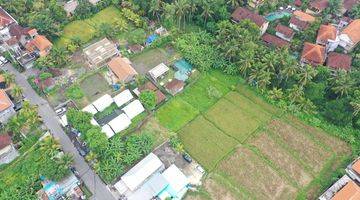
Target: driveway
[{"x": 90, "y": 178}]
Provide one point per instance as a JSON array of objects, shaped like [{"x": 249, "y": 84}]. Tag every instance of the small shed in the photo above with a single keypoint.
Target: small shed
[
  {"x": 123, "y": 97},
  {"x": 175, "y": 86},
  {"x": 103, "y": 102},
  {"x": 158, "y": 71},
  {"x": 133, "y": 109}
]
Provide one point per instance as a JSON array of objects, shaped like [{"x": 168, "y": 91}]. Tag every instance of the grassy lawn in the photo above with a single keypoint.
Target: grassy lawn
[
  {"x": 175, "y": 114},
  {"x": 86, "y": 29},
  {"x": 205, "y": 142}
]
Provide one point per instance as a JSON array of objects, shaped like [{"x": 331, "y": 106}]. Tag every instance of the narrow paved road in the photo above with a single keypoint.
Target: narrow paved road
[{"x": 91, "y": 179}]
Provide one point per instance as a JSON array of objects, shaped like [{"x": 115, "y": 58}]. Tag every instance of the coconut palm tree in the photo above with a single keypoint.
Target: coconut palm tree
[
  {"x": 9, "y": 78},
  {"x": 17, "y": 92},
  {"x": 50, "y": 146},
  {"x": 296, "y": 93},
  {"x": 343, "y": 83},
  {"x": 65, "y": 161},
  {"x": 156, "y": 8},
  {"x": 276, "y": 93},
  {"x": 306, "y": 74},
  {"x": 182, "y": 8},
  {"x": 234, "y": 3},
  {"x": 207, "y": 11}
]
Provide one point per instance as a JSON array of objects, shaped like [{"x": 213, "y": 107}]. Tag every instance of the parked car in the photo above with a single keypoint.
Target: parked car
[
  {"x": 81, "y": 151},
  {"x": 187, "y": 158},
  {"x": 60, "y": 111},
  {"x": 3, "y": 60},
  {"x": 72, "y": 168}
]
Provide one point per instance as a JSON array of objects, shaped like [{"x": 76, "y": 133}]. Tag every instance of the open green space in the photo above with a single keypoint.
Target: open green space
[
  {"x": 176, "y": 113},
  {"x": 86, "y": 30},
  {"x": 207, "y": 143},
  {"x": 94, "y": 86}
]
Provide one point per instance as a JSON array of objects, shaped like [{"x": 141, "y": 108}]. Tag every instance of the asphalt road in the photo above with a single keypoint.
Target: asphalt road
[{"x": 90, "y": 178}]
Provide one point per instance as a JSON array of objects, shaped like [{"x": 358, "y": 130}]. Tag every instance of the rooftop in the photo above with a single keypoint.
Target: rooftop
[
  {"x": 288, "y": 32},
  {"x": 122, "y": 68},
  {"x": 5, "y": 140},
  {"x": 5, "y": 101},
  {"x": 319, "y": 4},
  {"x": 273, "y": 40},
  {"x": 313, "y": 54},
  {"x": 100, "y": 51},
  {"x": 351, "y": 191},
  {"x": 325, "y": 33},
  {"x": 300, "y": 24},
  {"x": 5, "y": 18},
  {"x": 242, "y": 13},
  {"x": 353, "y": 30},
  {"x": 174, "y": 85},
  {"x": 356, "y": 166},
  {"x": 304, "y": 16},
  {"x": 339, "y": 61}
]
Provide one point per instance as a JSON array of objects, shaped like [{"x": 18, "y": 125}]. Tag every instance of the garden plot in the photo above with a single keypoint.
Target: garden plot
[
  {"x": 94, "y": 86},
  {"x": 281, "y": 158},
  {"x": 244, "y": 168},
  {"x": 310, "y": 152},
  {"x": 175, "y": 114},
  {"x": 233, "y": 120},
  {"x": 207, "y": 144}
]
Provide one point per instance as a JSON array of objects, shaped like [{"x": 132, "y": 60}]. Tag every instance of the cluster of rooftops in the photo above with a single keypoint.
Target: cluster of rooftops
[{"x": 344, "y": 34}]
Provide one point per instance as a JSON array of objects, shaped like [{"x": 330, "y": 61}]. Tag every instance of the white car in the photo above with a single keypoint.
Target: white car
[
  {"x": 3, "y": 60},
  {"x": 60, "y": 111}
]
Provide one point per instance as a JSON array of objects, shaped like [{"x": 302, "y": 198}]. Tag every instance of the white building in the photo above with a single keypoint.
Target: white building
[
  {"x": 158, "y": 71},
  {"x": 350, "y": 36},
  {"x": 133, "y": 109},
  {"x": 123, "y": 97}
]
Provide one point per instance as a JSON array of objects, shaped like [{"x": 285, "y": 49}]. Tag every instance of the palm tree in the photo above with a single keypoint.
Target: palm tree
[
  {"x": 155, "y": 8},
  {"x": 207, "y": 11},
  {"x": 276, "y": 93},
  {"x": 50, "y": 146},
  {"x": 343, "y": 83},
  {"x": 17, "y": 92},
  {"x": 234, "y": 3},
  {"x": 306, "y": 74},
  {"x": 66, "y": 160},
  {"x": 182, "y": 8},
  {"x": 296, "y": 93},
  {"x": 9, "y": 78}
]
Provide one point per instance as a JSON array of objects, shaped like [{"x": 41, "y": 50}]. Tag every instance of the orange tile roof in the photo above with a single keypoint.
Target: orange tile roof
[
  {"x": 42, "y": 44},
  {"x": 356, "y": 166},
  {"x": 325, "y": 33},
  {"x": 350, "y": 191},
  {"x": 313, "y": 53},
  {"x": 353, "y": 31},
  {"x": 304, "y": 16},
  {"x": 5, "y": 102},
  {"x": 121, "y": 68}
]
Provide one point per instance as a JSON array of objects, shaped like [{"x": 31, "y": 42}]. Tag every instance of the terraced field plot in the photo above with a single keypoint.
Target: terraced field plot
[{"x": 250, "y": 149}]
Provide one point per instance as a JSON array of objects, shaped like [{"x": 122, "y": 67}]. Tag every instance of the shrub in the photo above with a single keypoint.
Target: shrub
[{"x": 74, "y": 92}]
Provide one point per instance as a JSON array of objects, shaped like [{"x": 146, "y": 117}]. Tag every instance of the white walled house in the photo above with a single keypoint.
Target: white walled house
[{"x": 350, "y": 36}]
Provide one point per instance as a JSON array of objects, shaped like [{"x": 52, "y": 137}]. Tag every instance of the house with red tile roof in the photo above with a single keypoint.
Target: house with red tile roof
[
  {"x": 325, "y": 34},
  {"x": 313, "y": 54},
  {"x": 350, "y": 36},
  {"x": 243, "y": 13},
  {"x": 347, "y": 5},
  {"x": 174, "y": 86},
  {"x": 6, "y": 107},
  {"x": 298, "y": 25},
  {"x": 271, "y": 40},
  {"x": 284, "y": 32},
  {"x": 121, "y": 70},
  {"x": 353, "y": 170},
  {"x": 338, "y": 61},
  {"x": 351, "y": 191},
  {"x": 317, "y": 6}
]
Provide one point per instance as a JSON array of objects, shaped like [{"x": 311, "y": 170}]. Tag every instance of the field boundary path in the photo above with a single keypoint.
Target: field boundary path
[{"x": 92, "y": 181}]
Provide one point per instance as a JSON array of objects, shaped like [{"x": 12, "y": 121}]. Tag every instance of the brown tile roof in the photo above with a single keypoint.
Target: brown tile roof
[
  {"x": 5, "y": 102},
  {"x": 242, "y": 13},
  {"x": 304, "y": 16},
  {"x": 348, "y": 4},
  {"x": 313, "y": 54},
  {"x": 5, "y": 140},
  {"x": 12, "y": 41},
  {"x": 121, "y": 68},
  {"x": 350, "y": 191},
  {"x": 273, "y": 40},
  {"x": 160, "y": 97},
  {"x": 17, "y": 30},
  {"x": 288, "y": 32},
  {"x": 5, "y": 18},
  {"x": 353, "y": 30},
  {"x": 136, "y": 48},
  {"x": 297, "y": 3},
  {"x": 319, "y": 4},
  {"x": 325, "y": 33},
  {"x": 174, "y": 85},
  {"x": 302, "y": 25},
  {"x": 339, "y": 61},
  {"x": 148, "y": 86},
  {"x": 356, "y": 166},
  {"x": 42, "y": 43}
]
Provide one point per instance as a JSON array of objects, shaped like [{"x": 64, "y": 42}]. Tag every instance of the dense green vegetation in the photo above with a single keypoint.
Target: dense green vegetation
[
  {"x": 21, "y": 179},
  {"x": 109, "y": 158}
]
